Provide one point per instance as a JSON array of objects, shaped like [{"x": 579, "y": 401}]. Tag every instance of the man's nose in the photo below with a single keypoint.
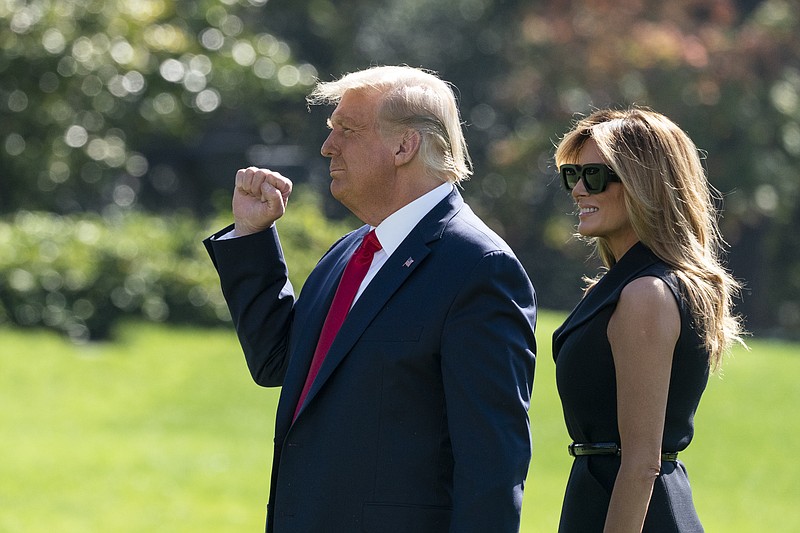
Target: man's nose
[{"x": 328, "y": 148}]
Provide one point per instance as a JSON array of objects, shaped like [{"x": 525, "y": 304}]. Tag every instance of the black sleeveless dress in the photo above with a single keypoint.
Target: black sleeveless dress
[{"x": 587, "y": 387}]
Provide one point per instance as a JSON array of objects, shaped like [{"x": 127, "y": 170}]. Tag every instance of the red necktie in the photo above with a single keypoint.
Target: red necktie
[{"x": 353, "y": 275}]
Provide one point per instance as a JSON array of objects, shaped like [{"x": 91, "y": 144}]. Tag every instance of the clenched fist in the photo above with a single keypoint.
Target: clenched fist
[{"x": 259, "y": 199}]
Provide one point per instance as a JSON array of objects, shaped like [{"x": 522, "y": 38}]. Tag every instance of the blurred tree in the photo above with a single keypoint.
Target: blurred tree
[
  {"x": 154, "y": 102},
  {"x": 726, "y": 71},
  {"x": 123, "y": 101},
  {"x": 728, "y": 74}
]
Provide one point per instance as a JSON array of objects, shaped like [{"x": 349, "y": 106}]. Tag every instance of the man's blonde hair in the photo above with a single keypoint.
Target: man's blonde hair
[{"x": 416, "y": 99}]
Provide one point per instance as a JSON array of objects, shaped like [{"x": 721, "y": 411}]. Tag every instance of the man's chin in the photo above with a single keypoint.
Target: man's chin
[{"x": 336, "y": 190}]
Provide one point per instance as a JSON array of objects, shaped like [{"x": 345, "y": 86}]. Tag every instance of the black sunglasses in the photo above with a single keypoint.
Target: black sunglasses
[{"x": 595, "y": 176}]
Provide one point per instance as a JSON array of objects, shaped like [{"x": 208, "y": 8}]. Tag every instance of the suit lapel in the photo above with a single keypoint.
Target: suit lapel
[
  {"x": 319, "y": 294},
  {"x": 389, "y": 279},
  {"x": 605, "y": 292}
]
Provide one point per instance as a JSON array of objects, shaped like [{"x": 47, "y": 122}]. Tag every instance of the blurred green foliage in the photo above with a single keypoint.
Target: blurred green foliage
[
  {"x": 91, "y": 90},
  {"x": 727, "y": 71},
  {"x": 82, "y": 274},
  {"x": 153, "y": 105}
]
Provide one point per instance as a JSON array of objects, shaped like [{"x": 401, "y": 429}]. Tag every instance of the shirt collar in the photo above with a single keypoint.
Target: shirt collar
[{"x": 396, "y": 227}]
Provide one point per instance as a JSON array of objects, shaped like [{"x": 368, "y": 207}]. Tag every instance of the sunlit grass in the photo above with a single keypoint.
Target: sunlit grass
[
  {"x": 160, "y": 431},
  {"x": 163, "y": 430}
]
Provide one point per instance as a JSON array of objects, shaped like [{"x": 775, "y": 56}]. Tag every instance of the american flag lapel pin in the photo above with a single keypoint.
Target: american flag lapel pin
[{"x": 408, "y": 262}]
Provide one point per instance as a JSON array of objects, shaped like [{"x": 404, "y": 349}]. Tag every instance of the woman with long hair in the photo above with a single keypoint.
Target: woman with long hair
[{"x": 634, "y": 356}]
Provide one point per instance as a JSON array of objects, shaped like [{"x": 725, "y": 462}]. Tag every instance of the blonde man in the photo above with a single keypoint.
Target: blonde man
[{"x": 410, "y": 412}]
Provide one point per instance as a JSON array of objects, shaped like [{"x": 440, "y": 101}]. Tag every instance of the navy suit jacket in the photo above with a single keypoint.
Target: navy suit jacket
[{"x": 417, "y": 420}]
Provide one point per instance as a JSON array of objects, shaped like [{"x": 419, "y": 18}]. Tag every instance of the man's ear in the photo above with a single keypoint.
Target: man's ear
[{"x": 408, "y": 147}]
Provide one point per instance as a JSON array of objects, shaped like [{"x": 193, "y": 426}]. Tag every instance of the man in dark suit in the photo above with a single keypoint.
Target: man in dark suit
[{"x": 410, "y": 412}]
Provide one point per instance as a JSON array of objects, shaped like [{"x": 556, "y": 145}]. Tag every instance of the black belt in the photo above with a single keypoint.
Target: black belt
[{"x": 608, "y": 448}]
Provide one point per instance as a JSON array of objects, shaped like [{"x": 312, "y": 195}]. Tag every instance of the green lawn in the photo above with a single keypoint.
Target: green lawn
[{"x": 163, "y": 431}]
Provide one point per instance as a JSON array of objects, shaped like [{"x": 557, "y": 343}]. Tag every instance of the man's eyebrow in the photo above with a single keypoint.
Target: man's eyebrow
[
  {"x": 336, "y": 119},
  {"x": 341, "y": 120}
]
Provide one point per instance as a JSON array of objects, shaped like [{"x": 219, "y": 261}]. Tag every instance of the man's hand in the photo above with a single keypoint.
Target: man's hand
[{"x": 259, "y": 199}]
